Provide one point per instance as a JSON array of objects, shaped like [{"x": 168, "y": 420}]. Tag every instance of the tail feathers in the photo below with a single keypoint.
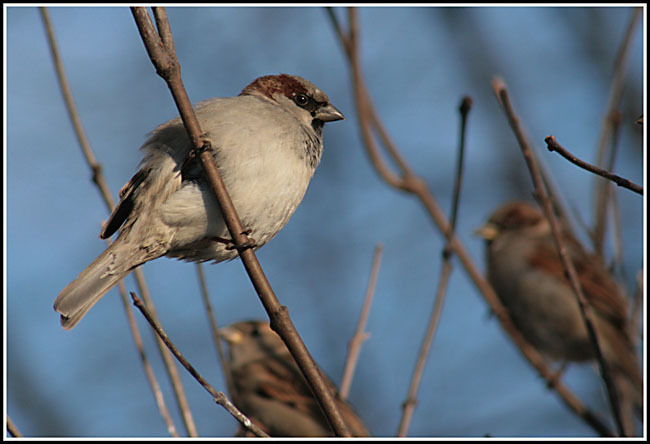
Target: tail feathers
[{"x": 80, "y": 295}]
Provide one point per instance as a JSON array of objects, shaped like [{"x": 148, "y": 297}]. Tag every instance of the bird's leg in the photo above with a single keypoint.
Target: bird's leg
[{"x": 230, "y": 245}]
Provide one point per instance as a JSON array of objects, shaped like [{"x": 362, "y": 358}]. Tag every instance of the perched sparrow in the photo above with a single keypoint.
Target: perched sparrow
[
  {"x": 526, "y": 271},
  {"x": 270, "y": 388},
  {"x": 267, "y": 143}
]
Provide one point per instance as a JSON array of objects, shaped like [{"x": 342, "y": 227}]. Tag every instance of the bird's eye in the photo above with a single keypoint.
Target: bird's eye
[{"x": 301, "y": 100}]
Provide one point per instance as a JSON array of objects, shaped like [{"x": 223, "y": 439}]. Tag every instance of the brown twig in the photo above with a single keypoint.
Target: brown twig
[
  {"x": 613, "y": 102},
  {"x": 169, "y": 69},
  {"x": 545, "y": 202},
  {"x": 100, "y": 182},
  {"x": 354, "y": 346},
  {"x": 421, "y": 192},
  {"x": 553, "y": 145},
  {"x": 618, "y": 252},
  {"x": 98, "y": 177},
  {"x": 636, "y": 313},
  {"x": 12, "y": 429},
  {"x": 463, "y": 109},
  {"x": 445, "y": 273},
  {"x": 217, "y": 396},
  {"x": 214, "y": 327},
  {"x": 168, "y": 361},
  {"x": 155, "y": 386}
]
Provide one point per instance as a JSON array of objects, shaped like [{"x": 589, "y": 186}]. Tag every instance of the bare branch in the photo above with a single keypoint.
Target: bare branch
[
  {"x": 12, "y": 429},
  {"x": 155, "y": 386},
  {"x": 354, "y": 346},
  {"x": 546, "y": 204},
  {"x": 100, "y": 182},
  {"x": 218, "y": 397},
  {"x": 553, "y": 145},
  {"x": 168, "y": 68},
  {"x": 636, "y": 315},
  {"x": 165, "y": 32},
  {"x": 618, "y": 252},
  {"x": 445, "y": 272},
  {"x": 418, "y": 188},
  {"x": 170, "y": 367},
  {"x": 345, "y": 41},
  {"x": 613, "y": 102},
  {"x": 215, "y": 333},
  {"x": 463, "y": 109}
]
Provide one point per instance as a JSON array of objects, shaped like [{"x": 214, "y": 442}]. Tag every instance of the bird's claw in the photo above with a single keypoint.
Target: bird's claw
[{"x": 230, "y": 245}]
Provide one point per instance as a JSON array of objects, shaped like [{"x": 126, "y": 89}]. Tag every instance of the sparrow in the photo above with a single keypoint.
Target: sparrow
[
  {"x": 270, "y": 388},
  {"x": 267, "y": 142},
  {"x": 527, "y": 273}
]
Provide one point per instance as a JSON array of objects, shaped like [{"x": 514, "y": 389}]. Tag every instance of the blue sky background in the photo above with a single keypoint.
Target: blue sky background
[{"x": 418, "y": 63}]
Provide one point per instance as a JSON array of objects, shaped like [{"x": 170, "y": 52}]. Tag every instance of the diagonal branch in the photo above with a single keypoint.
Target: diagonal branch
[
  {"x": 225, "y": 366},
  {"x": 167, "y": 66},
  {"x": 354, "y": 346},
  {"x": 416, "y": 186},
  {"x": 100, "y": 182},
  {"x": 608, "y": 128},
  {"x": 217, "y": 396},
  {"x": 445, "y": 273},
  {"x": 12, "y": 429},
  {"x": 553, "y": 145},
  {"x": 546, "y": 204}
]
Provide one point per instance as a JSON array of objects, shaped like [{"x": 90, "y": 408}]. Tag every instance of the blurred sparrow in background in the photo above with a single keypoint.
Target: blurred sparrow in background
[
  {"x": 270, "y": 388},
  {"x": 525, "y": 269},
  {"x": 267, "y": 143}
]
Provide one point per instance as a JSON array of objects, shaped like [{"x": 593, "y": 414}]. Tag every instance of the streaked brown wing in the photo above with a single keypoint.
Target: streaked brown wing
[
  {"x": 123, "y": 209},
  {"x": 599, "y": 288},
  {"x": 284, "y": 382}
]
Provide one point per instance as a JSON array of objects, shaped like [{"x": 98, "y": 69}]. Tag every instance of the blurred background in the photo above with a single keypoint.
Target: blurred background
[{"x": 418, "y": 63}]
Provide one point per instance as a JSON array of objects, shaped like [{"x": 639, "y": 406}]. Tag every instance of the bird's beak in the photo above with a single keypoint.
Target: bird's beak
[
  {"x": 231, "y": 335},
  {"x": 488, "y": 231},
  {"x": 329, "y": 113}
]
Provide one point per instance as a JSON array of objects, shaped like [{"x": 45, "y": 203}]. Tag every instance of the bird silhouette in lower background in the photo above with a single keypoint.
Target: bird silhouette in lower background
[
  {"x": 526, "y": 271},
  {"x": 270, "y": 388}
]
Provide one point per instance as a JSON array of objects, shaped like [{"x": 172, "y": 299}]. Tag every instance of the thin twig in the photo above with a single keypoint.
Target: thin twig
[
  {"x": 636, "y": 315},
  {"x": 544, "y": 201},
  {"x": 618, "y": 253},
  {"x": 98, "y": 177},
  {"x": 214, "y": 327},
  {"x": 155, "y": 386},
  {"x": 463, "y": 109},
  {"x": 217, "y": 396},
  {"x": 12, "y": 429},
  {"x": 408, "y": 181},
  {"x": 553, "y": 145},
  {"x": 613, "y": 103},
  {"x": 100, "y": 182},
  {"x": 421, "y": 192},
  {"x": 343, "y": 38},
  {"x": 170, "y": 366},
  {"x": 445, "y": 273},
  {"x": 354, "y": 346},
  {"x": 168, "y": 68}
]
